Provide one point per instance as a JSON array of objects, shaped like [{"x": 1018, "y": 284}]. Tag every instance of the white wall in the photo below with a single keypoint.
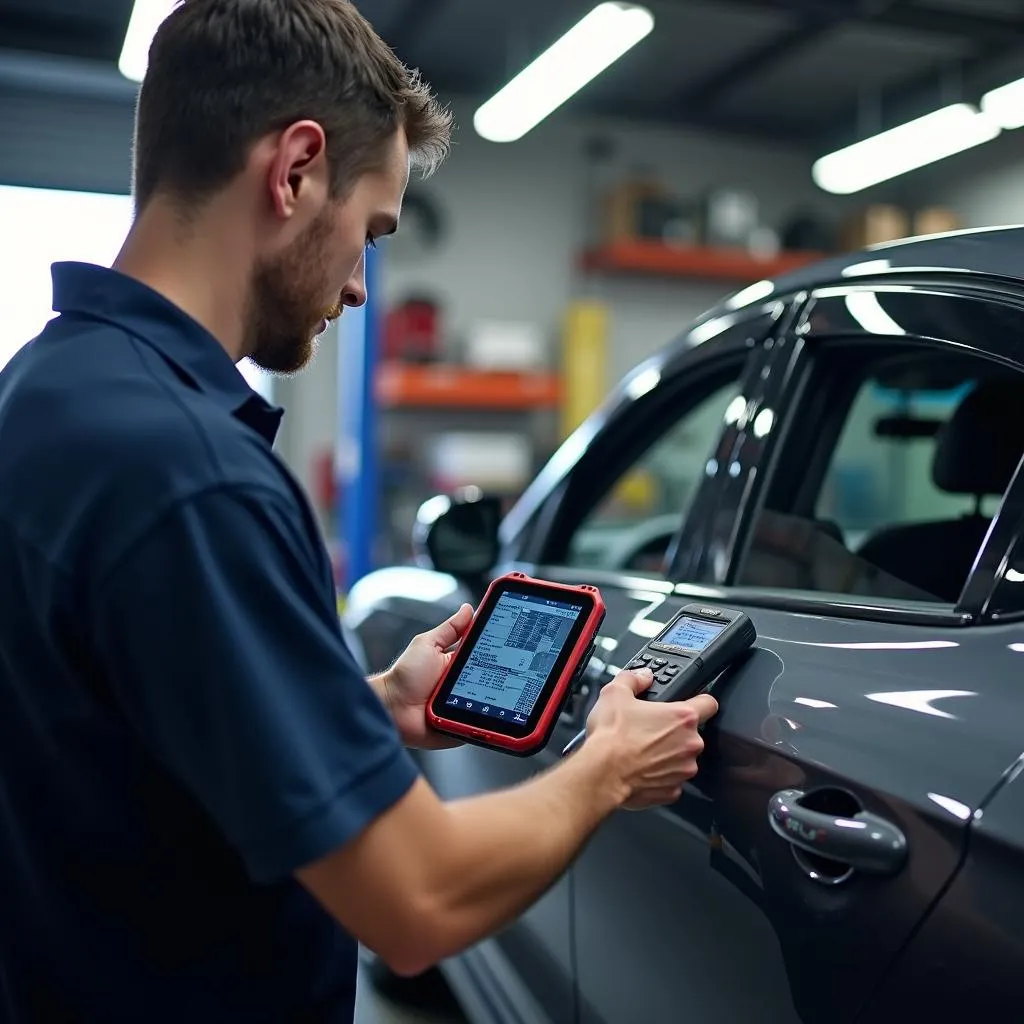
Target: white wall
[
  {"x": 984, "y": 186},
  {"x": 519, "y": 213}
]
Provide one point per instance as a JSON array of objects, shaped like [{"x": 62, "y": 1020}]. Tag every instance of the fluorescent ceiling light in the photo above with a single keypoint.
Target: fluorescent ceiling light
[
  {"x": 1005, "y": 105},
  {"x": 590, "y": 46},
  {"x": 145, "y": 20},
  {"x": 915, "y": 144}
]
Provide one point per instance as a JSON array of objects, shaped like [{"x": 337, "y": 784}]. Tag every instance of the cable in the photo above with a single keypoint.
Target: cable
[{"x": 574, "y": 967}]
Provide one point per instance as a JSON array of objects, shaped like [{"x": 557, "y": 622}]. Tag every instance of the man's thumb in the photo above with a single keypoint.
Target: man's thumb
[
  {"x": 637, "y": 679},
  {"x": 451, "y": 631}
]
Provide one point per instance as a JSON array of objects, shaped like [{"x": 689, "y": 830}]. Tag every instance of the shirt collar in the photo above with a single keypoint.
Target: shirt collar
[{"x": 104, "y": 294}]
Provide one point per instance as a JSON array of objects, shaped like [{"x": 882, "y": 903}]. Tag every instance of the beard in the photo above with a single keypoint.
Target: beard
[{"x": 286, "y": 302}]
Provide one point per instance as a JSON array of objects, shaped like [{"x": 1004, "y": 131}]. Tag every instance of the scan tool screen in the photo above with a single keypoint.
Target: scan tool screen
[{"x": 692, "y": 634}]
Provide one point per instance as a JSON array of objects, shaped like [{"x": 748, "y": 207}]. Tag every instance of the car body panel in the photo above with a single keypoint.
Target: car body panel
[
  {"x": 974, "y": 935},
  {"x": 823, "y": 702},
  {"x": 907, "y": 709}
]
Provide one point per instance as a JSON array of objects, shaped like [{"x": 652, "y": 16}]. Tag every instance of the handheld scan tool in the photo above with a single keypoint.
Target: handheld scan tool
[
  {"x": 527, "y": 645},
  {"x": 689, "y": 654}
]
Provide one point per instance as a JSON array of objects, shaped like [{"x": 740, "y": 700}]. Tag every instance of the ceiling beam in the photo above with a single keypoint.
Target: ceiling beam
[
  {"x": 71, "y": 35},
  {"x": 816, "y": 19},
  {"x": 757, "y": 60},
  {"x": 728, "y": 126},
  {"x": 413, "y": 17},
  {"x": 927, "y": 91},
  {"x": 65, "y": 76},
  {"x": 976, "y": 27}
]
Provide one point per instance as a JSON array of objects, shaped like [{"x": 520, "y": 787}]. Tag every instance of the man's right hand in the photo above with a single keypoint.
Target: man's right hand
[
  {"x": 653, "y": 747},
  {"x": 480, "y": 861}
]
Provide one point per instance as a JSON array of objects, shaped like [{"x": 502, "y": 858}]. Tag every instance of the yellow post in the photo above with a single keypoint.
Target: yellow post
[{"x": 584, "y": 361}]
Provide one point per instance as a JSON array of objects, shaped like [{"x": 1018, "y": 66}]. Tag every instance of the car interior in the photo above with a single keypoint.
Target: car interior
[
  {"x": 976, "y": 454},
  {"x": 925, "y": 445},
  {"x": 963, "y": 462}
]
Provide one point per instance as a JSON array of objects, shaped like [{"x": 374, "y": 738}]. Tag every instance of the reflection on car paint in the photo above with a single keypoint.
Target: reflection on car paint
[
  {"x": 920, "y": 700},
  {"x": 890, "y": 645},
  {"x": 369, "y": 592},
  {"x": 645, "y": 381},
  {"x": 955, "y": 807}
]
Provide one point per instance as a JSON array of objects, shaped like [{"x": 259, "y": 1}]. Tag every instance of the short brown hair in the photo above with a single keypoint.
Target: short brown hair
[{"x": 224, "y": 73}]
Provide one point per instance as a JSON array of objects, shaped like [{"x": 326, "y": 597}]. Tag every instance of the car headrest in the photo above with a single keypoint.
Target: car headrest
[{"x": 978, "y": 450}]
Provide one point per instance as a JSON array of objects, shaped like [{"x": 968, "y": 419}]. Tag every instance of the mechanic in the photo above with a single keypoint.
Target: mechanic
[{"x": 203, "y": 803}]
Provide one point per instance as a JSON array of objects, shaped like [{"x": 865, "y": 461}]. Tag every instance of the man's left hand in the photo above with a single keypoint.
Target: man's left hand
[{"x": 406, "y": 687}]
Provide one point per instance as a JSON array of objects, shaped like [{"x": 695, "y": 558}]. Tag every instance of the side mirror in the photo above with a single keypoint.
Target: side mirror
[{"x": 458, "y": 535}]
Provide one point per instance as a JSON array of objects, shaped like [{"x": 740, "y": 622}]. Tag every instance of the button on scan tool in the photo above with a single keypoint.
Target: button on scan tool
[{"x": 689, "y": 654}]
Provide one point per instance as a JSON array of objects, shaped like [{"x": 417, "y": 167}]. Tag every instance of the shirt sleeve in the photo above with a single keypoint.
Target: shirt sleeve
[{"x": 220, "y": 634}]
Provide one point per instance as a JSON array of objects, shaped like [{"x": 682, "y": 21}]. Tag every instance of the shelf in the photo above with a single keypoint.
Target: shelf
[
  {"x": 452, "y": 387},
  {"x": 658, "y": 259}
]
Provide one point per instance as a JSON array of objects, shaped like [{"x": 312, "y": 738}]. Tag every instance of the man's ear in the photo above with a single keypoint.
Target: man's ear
[{"x": 298, "y": 168}]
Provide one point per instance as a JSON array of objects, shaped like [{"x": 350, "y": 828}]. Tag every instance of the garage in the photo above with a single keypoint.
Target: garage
[{"x": 665, "y": 359}]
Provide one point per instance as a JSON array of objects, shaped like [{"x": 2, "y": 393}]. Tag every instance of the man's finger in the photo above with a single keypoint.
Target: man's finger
[
  {"x": 705, "y": 705},
  {"x": 452, "y": 630},
  {"x": 638, "y": 679}
]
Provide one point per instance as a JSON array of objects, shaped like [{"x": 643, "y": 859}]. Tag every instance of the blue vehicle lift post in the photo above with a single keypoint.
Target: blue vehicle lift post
[{"x": 356, "y": 455}]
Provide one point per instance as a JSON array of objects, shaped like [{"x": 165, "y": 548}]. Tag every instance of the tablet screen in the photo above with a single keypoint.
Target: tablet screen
[{"x": 513, "y": 656}]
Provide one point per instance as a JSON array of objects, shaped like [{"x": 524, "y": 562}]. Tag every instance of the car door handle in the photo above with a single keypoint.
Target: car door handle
[{"x": 861, "y": 841}]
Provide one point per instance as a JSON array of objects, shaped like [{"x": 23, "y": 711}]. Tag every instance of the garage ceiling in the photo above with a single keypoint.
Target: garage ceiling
[{"x": 803, "y": 71}]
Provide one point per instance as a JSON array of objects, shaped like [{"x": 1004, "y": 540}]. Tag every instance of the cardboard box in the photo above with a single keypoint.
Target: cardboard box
[
  {"x": 622, "y": 208},
  {"x": 936, "y": 220},
  {"x": 874, "y": 225},
  {"x": 506, "y": 345}
]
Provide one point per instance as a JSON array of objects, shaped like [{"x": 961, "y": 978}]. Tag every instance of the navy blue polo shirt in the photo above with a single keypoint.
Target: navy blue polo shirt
[{"x": 181, "y": 724}]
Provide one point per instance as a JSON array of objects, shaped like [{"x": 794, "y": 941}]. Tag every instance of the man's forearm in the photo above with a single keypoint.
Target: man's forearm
[
  {"x": 428, "y": 879},
  {"x": 504, "y": 850}
]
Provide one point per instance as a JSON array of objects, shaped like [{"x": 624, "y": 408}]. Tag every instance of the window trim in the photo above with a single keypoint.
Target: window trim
[
  {"x": 1005, "y": 534},
  {"x": 908, "y": 613},
  {"x": 648, "y": 430},
  {"x": 983, "y": 578}
]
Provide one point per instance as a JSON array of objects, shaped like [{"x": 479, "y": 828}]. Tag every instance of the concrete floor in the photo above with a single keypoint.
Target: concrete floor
[{"x": 372, "y": 1008}]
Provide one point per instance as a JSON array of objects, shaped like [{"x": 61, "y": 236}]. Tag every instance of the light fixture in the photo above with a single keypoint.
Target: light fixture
[
  {"x": 1005, "y": 105},
  {"x": 146, "y": 18},
  {"x": 596, "y": 41},
  {"x": 915, "y": 144}
]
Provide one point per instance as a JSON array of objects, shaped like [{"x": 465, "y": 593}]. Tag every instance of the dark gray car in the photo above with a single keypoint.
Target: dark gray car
[{"x": 838, "y": 454}]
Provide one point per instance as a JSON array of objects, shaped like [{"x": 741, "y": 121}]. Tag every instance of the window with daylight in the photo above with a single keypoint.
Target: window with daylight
[{"x": 39, "y": 227}]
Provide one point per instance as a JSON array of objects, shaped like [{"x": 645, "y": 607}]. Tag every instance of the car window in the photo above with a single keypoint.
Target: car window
[
  {"x": 900, "y": 472},
  {"x": 632, "y": 525},
  {"x": 880, "y": 475}
]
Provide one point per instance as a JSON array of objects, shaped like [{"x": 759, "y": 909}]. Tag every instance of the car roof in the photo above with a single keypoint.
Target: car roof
[
  {"x": 994, "y": 252},
  {"x": 977, "y": 252}
]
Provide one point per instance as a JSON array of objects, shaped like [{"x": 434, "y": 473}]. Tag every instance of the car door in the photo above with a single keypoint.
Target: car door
[
  {"x": 660, "y": 424},
  {"x": 615, "y": 521},
  {"x": 739, "y": 903}
]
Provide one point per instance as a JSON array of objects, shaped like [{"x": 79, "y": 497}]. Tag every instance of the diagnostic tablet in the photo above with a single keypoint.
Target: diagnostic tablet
[{"x": 529, "y": 642}]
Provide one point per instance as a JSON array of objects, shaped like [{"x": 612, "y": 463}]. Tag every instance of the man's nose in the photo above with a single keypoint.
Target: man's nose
[{"x": 354, "y": 292}]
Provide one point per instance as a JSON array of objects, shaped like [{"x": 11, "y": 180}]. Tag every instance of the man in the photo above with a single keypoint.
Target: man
[{"x": 203, "y": 803}]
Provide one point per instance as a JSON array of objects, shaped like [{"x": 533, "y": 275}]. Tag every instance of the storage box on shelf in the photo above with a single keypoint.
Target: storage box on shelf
[{"x": 445, "y": 425}]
